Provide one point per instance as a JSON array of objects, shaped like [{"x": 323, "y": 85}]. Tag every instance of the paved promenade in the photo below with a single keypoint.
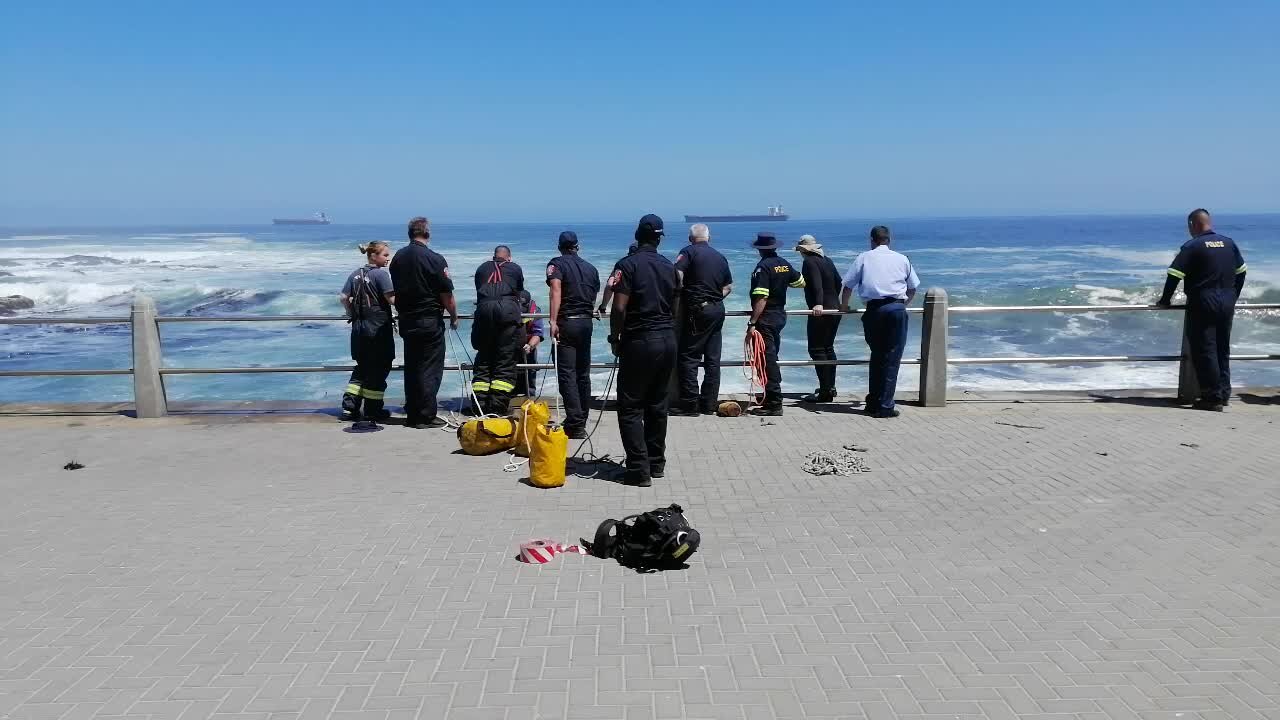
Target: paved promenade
[{"x": 1033, "y": 559}]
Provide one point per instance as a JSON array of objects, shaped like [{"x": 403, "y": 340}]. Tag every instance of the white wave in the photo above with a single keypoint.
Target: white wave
[
  {"x": 39, "y": 238},
  {"x": 1097, "y": 295},
  {"x": 1147, "y": 258},
  {"x": 1106, "y": 376},
  {"x": 66, "y": 295},
  {"x": 1078, "y": 326}
]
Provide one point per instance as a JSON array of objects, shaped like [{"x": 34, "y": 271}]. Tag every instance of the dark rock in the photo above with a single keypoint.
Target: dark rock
[{"x": 12, "y": 304}]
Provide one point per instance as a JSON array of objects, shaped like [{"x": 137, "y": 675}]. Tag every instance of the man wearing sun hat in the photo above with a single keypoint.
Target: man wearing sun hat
[
  {"x": 769, "y": 282},
  {"x": 822, "y": 296}
]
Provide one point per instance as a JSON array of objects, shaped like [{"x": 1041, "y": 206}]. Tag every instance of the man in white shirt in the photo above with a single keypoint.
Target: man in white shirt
[{"x": 886, "y": 283}]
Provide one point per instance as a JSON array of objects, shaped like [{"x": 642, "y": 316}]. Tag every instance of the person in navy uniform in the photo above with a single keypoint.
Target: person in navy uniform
[
  {"x": 886, "y": 283},
  {"x": 1212, "y": 271},
  {"x": 705, "y": 281},
  {"x": 424, "y": 291},
  {"x": 643, "y": 338},
  {"x": 367, "y": 297},
  {"x": 493, "y": 333},
  {"x": 822, "y": 296},
  {"x": 532, "y": 331},
  {"x": 574, "y": 284},
  {"x": 769, "y": 282}
]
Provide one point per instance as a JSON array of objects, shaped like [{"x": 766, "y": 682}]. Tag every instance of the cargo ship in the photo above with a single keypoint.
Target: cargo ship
[
  {"x": 775, "y": 214},
  {"x": 319, "y": 219}
]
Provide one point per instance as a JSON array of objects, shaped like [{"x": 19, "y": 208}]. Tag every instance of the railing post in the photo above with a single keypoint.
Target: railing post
[
  {"x": 1188, "y": 385},
  {"x": 933, "y": 349},
  {"x": 148, "y": 386}
]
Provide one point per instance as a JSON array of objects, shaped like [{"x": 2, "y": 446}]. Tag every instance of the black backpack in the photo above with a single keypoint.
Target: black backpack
[{"x": 660, "y": 539}]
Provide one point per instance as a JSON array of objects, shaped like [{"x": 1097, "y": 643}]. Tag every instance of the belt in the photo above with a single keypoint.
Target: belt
[
  {"x": 704, "y": 303},
  {"x": 873, "y": 304},
  {"x": 576, "y": 317}
]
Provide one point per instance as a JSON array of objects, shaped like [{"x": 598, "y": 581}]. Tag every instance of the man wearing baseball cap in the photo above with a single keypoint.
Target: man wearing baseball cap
[
  {"x": 574, "y": 284},
  {"x": 643, "y": 338},
  {"x": 769, "y": 282}
]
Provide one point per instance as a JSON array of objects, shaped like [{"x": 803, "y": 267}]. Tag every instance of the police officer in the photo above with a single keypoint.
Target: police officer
[
  {"x": 1212, "y": 270},
  {"x": 574, "y": 283},
  {"x": 424, "y": 291},
  {"x": 367, "y": 297},
  {"x": 495, "y": 330},
  {"x": 769, "y": 282},
  {"x": 643, "y": 338},
  {"x": 822, "y": 296},
  {"x": 528, "y": 339},
  {"x": 705, "y": 281},
  {"x": 886, "y": 282}
]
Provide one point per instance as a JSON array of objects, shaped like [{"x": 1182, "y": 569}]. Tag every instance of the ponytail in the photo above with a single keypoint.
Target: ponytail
[{"x": 370, "y": 247}]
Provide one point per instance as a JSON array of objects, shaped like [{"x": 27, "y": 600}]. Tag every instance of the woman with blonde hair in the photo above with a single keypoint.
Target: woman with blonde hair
[{"x": 367, "y": 297}]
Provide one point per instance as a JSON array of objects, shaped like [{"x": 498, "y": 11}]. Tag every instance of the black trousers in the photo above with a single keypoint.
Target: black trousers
[
  {"x": 573, "y": 363},
  {"x": 770, "y": 328},
  {"x": 1209, "y": 317},
  {"x": 494, "y": 336},
  {"x": 884, "y": 325},
  {"x": 373, "y": 349},
  {"x": 700, "y": 344},
  {"x": 423, "y": 364},
  {"x": 644, "y": 377},
  {"x": 822, "y": 346}
]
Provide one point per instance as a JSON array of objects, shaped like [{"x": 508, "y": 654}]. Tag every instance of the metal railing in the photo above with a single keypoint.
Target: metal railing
[{"x": 148, "y": 370}]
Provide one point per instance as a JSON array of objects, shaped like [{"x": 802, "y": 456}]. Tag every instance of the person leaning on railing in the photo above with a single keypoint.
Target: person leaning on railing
[
  {"x": 1212, "y": 271},
  {"x": 886, "y": 283}
]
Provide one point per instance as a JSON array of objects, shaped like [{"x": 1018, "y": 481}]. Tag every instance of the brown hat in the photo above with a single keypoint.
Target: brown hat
[{"x": 809, "y": 244}]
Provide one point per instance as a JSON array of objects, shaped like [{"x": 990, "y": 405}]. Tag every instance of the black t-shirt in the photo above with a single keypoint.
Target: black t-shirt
[
  {"x": 770, "y": 280},
  {"x": 649, "y": 281},
  {"x": 579, "y": 284},
  {"x": 821, "y": 281},
  {"x": 419, "y": 275},
  {"x": 706, "y": 273},
  {"x": 1208, "y": 262}
]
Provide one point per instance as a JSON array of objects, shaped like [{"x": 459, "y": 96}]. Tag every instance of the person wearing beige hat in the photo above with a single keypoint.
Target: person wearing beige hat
[{"x": 822, "y": 296}]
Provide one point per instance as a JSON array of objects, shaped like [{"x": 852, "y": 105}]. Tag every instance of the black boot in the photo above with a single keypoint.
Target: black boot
[
  {"x": 373, "y": 410},
  {"x": 350, "y": 407}
]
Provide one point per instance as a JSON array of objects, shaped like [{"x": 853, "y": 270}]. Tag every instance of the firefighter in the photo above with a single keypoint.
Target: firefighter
[
  {"x": 367, "y": 297},
  {"x": 573, "y": 283},
  {"x": 495, "y": 330},
  {"x": 642, "y": 335}
]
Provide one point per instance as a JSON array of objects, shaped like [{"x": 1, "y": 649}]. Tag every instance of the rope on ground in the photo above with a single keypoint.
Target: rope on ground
[{"x": 834, "y": 462}]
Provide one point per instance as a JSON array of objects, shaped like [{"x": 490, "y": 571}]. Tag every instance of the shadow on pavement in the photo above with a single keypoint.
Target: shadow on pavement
[{"x": 1255, "y": 399}]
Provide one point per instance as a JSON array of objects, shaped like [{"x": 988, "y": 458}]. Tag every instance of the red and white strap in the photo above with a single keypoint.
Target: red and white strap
[{"x": 541, "y": 551}]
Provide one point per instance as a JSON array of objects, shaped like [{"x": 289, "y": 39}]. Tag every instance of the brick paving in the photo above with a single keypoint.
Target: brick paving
[{"x": 1103, "y": 560}]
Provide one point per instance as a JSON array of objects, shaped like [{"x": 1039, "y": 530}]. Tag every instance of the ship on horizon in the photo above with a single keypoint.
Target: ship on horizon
[
  {"x": 318, "y": 219},
  {"x": 774, "y": 214}
]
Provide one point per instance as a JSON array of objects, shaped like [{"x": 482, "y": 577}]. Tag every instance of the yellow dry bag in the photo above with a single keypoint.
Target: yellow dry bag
[
  {"x": 487, "y": 436},
  {"x": 532, "y": 414},
  {"x": 548, "y": 453}
]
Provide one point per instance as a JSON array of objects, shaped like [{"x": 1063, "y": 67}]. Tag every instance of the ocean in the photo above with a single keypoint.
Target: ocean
[{"x": 282, "y": 270}]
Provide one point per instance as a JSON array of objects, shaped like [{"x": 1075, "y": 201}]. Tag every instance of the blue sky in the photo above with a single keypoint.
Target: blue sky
[{"x": 131, "y": 112}]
